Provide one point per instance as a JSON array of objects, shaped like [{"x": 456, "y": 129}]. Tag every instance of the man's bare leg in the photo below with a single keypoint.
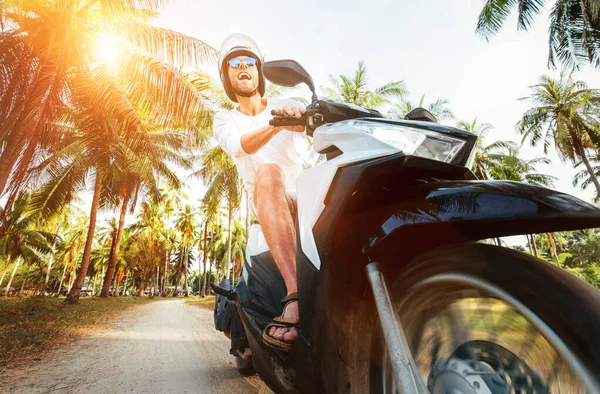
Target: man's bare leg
[{"x": 273, "y": 208}]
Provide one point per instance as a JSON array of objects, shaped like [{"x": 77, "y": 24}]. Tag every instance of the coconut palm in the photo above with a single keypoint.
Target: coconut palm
[
  {"x": 152, "y": 237},
  {"x": 224, "y": 184},
  {"x": 439, "y": 108},
  {"x": 238, "y": 247},
  {"x": 44, "y": 61},
  {"x": 564, "y": 115},
  {"x": 69, "y": 252},
  {"x": 504, "y": 162},
  {"x": 186, "y": 225},
  {"x": 125, "y": 166},
  {"x": 583, "y": 176},
  {"x": 574, "y": 26},
  {"x": 480, "y": 162},
  {"x": 20, "y": 238},
  {"x": 210, "y": 211},
  {"x": 354, "y": 89}
]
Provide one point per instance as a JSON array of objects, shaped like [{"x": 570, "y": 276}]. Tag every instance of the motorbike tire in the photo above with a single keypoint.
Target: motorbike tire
[{"x": 568, "y": 306}]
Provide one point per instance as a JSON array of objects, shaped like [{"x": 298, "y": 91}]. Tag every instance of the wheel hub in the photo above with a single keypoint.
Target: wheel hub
[{"x": 456, "y": 376}]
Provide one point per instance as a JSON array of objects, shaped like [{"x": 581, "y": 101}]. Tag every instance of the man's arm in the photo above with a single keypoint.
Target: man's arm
[{"x": 252, "y": 142}]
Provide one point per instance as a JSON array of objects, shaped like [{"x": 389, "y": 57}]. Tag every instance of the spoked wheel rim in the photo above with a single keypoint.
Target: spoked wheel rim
[{"x": 459, "y": 324}]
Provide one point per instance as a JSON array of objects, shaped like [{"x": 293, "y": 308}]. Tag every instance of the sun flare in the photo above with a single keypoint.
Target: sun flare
[{"x": 108, "y": 49}]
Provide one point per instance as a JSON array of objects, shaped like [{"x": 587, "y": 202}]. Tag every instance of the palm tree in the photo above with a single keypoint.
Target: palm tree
[
  {"x": 439, "y": 108},
  {"x": 574, "y": 26},
  {"x": 224, "y": 183},
  {"x": 126, "y": 164},
  {"x": 186, "y": 224},
  {"x": 210, "y": 210},
  {"x": 503, "y": 162},
  {"x": 152, "y": 237},
  {"x": 583, "y": 175},
  {"x": 69, "y": 251},
  {"x": 354, "y": 89},
  {"x": 45, "y": 62},
  {"x": 480, "y": 162},
  {"x": 565, "y": 115},
  {"x": 238, "y": 247},
  {"x": 20, "y": 240}
]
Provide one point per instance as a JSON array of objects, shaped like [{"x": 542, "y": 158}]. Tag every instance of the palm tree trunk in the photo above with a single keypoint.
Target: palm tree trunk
[
  {"x": 205, "y": 251},
  {"x": 112, "y": 263},
  {"x": 553, "y": 249},
  {"x": 22, "y": 286},
  {"x": 73, "y": 296},
  {"x": 590, "y": 171},
  {"x": 125, "y": 285},
  {"x": 210, "y": 264},
  {"x": 3, "y": 274},
  {"x": 186, "y": 271},
  {"x": 533, "y": 245},
  {"x": 229, "y": 239},
  {"x": 50, "y": 262},
  {"x": 166, "y": 256},
  {"x": 157, "y": 278},
  {"x": 94, "y": 284},
  {"x": 120, "y": 277},
  {"x": 74, "y": 275},
  {"x": 12, "y": 276},
  {"x": 62, "y": 278}
]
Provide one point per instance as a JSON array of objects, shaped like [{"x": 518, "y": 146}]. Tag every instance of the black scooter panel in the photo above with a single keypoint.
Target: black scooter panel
[{"x": 263, "y": 289}]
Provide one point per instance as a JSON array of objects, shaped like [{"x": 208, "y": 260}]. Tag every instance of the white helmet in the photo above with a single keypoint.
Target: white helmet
[{"x": 235, "y": 45}]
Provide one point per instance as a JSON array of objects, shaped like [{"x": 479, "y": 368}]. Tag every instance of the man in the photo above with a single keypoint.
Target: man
[{"x": 268, "y": 163}]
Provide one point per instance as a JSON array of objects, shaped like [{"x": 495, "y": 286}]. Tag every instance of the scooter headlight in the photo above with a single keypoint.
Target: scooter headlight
[{"x": 412, "y": 141}]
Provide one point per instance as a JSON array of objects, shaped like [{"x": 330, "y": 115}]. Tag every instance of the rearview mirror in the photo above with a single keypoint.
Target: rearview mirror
[{"x": 288, "y": 73}]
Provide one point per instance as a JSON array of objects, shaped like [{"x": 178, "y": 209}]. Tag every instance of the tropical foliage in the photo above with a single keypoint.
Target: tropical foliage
[
  {"x": 574, "y": 34},
  {"x": 355, "y": 90},
  {"x": 565, "y": 115}
]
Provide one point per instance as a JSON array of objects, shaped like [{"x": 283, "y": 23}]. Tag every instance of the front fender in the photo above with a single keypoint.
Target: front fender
[{"x": 458, "y": 211}]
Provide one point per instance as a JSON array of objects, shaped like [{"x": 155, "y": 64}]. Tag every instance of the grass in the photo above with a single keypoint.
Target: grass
[
  {"x": 207, "y": 302},
  {"x": 30, "y": 325}
]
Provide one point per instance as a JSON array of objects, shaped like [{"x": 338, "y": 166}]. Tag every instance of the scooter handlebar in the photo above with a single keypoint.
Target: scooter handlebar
[{"x": 283, "y": 120}]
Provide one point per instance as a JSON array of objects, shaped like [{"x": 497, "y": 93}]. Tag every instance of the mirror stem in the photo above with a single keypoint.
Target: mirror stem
[{"x": 315, "y": 98}]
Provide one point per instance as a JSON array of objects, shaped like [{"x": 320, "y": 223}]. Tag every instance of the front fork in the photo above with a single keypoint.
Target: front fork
[{"x": 406, "y": 375}]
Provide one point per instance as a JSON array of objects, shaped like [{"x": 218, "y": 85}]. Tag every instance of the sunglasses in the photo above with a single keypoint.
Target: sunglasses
[{"x": 236, "y": 63}]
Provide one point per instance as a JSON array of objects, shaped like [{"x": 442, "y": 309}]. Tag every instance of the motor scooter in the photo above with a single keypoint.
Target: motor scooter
[{"x": 397, "y": 292}]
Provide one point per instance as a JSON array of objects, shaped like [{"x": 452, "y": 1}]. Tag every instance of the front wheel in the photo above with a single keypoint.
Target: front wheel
[{"x": 479, "y": 317}]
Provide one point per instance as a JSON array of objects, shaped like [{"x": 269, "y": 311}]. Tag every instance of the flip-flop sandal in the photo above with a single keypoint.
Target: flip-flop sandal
[{"x": 281, "y": 322}]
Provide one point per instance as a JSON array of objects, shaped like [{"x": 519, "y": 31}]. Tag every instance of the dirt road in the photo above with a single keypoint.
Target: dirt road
[{"x": 161, "y": 347}]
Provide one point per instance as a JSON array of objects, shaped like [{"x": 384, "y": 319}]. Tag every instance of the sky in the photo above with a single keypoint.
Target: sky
[{"x": 430, "y": 44}]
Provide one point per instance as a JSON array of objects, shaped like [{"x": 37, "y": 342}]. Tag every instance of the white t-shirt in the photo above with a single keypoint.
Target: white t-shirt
[{"x": 229, "y": 126}]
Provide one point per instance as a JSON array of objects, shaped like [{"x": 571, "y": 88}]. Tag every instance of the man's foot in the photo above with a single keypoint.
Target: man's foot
[
  {"x": 287, "y": 334},
  {"x": 282, "y": 332}
]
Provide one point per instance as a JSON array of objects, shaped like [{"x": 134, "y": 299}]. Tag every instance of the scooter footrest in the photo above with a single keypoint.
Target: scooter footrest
[{"x": 230, "y": 294}]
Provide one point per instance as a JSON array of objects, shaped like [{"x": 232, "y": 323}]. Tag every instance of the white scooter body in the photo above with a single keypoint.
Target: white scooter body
[{"x": 314, "y": 183}]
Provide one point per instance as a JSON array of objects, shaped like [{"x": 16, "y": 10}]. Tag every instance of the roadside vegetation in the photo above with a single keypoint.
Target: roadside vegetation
[
  {"x": 207, "y": 302},
  {"x": 30, "y": 326}
]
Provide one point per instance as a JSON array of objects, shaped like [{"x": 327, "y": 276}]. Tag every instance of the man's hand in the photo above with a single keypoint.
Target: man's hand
[{"x": 293, "y": 112}]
